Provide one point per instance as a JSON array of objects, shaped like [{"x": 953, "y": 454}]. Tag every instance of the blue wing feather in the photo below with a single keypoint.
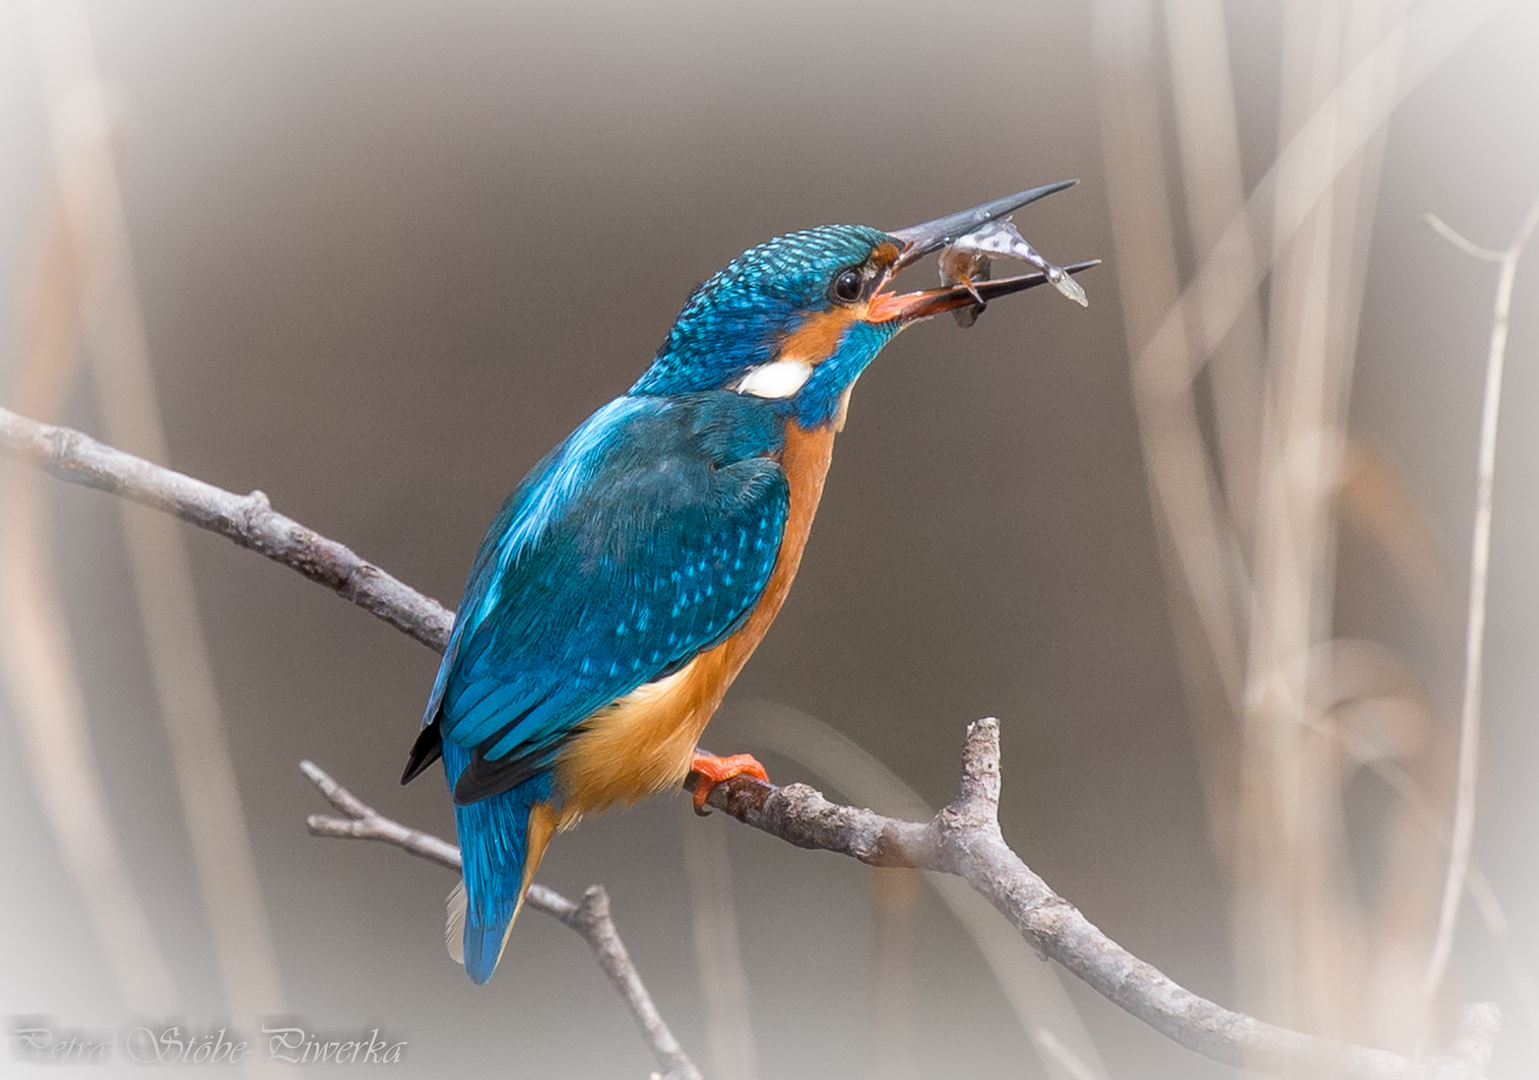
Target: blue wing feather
[{"x": 644, "y": 539}]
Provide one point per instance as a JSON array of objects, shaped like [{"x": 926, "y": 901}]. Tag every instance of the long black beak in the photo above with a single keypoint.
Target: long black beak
[
  {"x": 914, "y": 306},
  {"x": 919, "y": 240}
]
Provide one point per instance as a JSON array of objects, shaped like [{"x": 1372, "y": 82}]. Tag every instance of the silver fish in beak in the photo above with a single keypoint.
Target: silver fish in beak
[{"x": 967, "y": 260}]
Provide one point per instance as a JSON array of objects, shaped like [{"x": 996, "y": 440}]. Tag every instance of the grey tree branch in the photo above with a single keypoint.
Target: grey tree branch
[
  {"x": 964, "y": 838},
  {"x": 590, "y": 917},
  {"x": 248, "y": 520}
]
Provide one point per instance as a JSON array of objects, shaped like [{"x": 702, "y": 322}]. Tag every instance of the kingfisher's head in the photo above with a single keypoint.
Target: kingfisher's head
[{"x": 799, "y": 318}]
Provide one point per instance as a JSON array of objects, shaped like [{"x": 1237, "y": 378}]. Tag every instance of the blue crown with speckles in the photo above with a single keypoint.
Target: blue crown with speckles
[{"x": 733, "y": 321}]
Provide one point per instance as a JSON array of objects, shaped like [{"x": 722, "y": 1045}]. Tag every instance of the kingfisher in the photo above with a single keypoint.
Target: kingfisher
[{"x": 627, "y": 580}]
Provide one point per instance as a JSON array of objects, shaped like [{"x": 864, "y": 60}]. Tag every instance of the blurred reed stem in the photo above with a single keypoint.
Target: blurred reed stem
[
  {"x": 718, "y": 949},
  {"x": 36, "y": 655},
  {"x": 1248, "y": 531},
  {"x": 1463, "y": 831},
  {"x": 1043, "y": 1008},
  {"x": 200, "y": 755},
  {"x": 894, "y": 927}
]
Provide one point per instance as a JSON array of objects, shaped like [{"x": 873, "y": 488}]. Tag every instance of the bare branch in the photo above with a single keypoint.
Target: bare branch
[
  {"x": 248, "y": 520},
  {"x": 591, "y": 920},
  {"x": 1460, "y": 241},
  {"x": 363, "y": 822},
  {"x": 1048, "y": 1016},
  {"x": 963, "y": 839},
  {"x": 590, "y": 917},
  {"x": 1475, "y": 625},
  {"x": 1479, "y": 1024}
]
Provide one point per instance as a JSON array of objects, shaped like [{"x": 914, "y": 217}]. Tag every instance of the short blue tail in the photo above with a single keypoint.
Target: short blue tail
[{"x": 494, "y": 844}]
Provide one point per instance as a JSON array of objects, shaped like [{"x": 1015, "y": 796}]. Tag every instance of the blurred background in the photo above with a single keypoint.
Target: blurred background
[{"x": 1204, "y": 548}]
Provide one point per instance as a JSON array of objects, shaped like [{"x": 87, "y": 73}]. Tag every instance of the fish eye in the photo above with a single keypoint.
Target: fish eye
[{"x": 848, "y": 285}]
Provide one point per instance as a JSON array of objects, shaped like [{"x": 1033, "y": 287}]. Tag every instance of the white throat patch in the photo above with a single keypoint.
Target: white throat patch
[{"x": 780, "y": 379}]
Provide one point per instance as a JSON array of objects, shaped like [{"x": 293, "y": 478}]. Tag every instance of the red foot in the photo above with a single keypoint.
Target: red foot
[{"x": 712, "y": 770}]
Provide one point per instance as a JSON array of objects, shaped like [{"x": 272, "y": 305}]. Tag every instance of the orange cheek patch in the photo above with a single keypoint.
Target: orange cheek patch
[{"x": 815, "y": 340}]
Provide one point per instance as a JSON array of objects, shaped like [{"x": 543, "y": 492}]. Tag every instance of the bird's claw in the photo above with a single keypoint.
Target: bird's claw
[{"x": 709, "y": 770}]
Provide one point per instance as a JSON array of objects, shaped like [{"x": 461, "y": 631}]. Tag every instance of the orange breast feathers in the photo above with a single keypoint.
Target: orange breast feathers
[{"x": 642, "y": 743}]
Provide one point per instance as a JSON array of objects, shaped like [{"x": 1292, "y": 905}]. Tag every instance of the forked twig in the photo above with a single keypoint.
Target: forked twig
[
  {"x": 964, "y": 839},
  {"x": 590, "y": 917},
  {"x": 1047, "y": 1015}
]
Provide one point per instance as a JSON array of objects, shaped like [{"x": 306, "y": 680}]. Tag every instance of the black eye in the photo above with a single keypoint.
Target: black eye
[{"x": 847, "y": 286}]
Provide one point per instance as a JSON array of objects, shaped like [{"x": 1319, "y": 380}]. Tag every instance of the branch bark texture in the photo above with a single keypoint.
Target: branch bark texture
[
  {"x": 248, "y": 520},
  {"x": 590, "y": 917},
  {"x": 964, "y": 838}
]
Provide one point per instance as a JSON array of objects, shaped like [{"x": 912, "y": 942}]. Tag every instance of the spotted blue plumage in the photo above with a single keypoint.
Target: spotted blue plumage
[{"x": 583, "y": 592}]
